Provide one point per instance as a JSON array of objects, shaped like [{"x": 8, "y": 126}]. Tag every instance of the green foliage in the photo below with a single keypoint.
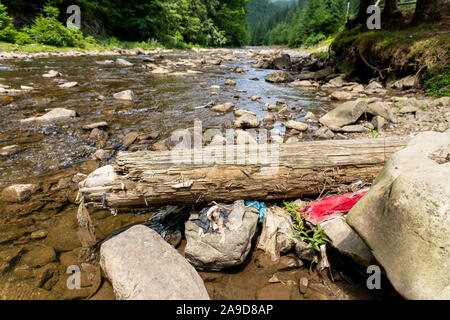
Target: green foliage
[
  {"x": 279, "y": 35},
  {"x": 271, "y": 24},
  {"x": 323, "y": 55},
  {"x": 174, "y": 23},
  {"x": 316, "y": 21},
  {"x": 231, "y": 18},
  {"x": 258, "y": 11},
  {"x": 178, "y": 22},
  {"x": 438, "y": 82},
  {"x": 314, "y": 39},
  {"x": 374, "y": 134},
  {"x": 303, "y": 22},
  {"x": 22, "y": 38},
  {"x": 46, "y": 29},
  {"x": 7, "y": 31},
  {"x": 313, "y": 235}
]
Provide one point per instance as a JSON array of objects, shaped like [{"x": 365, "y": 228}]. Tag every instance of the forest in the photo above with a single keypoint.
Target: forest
[
  {"x": 209, "y": 23},
  {"x": 304, "y": 22},
  {"x": 301, "y": 22},
  {"x": 206, "y": 23}
]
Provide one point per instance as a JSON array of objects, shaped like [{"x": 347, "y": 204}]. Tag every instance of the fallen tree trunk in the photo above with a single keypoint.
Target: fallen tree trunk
[{"x": 220, "y": 173}]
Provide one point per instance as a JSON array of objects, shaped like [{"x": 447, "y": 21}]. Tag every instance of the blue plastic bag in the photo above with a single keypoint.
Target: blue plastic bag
[{"x": 259, "y": 206}]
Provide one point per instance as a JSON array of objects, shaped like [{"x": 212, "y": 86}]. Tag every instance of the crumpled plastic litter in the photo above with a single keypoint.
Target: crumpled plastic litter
[
  {"x": 219, "y": 217},
  {"x": 166, "y": 222},
  {"x": 276, "y": 236},
  {"x": 259, "y": 206},
  {"x": 327, "y": 208},
  {"x": 210, "y": 218}
]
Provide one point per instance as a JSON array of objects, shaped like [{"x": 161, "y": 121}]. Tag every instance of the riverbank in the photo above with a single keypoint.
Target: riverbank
[
  {"x": 422, "y": 50},
  {"x": 13, "y": 51}
]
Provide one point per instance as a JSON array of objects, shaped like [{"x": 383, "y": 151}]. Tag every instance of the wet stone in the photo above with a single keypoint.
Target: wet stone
[
  {"x": 129, "y": 139},
  {"x": 98, "y": 135},
  {"x": 39, "y": 256},
  {"x": 47, "y": 276},
  {"x": 102, "y": 155},
  {"x": 126, "y": 95},
  {"x": 23, "y": 272},
  {"x": 289, "y": 262},
  {"x": 9, "y": 150},
  {"x": 303, "y": 285},
  {"x": 40, "y": 234},
  {"x": 19, "y": 192},
  {"x": 101, "y": 124}
]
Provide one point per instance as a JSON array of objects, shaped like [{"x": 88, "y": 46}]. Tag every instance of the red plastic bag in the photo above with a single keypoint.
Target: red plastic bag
[{"x": 317, "y": 212}]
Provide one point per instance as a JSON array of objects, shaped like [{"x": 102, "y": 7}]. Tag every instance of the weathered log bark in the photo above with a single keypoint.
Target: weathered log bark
[{"x": 143, "y": 179}]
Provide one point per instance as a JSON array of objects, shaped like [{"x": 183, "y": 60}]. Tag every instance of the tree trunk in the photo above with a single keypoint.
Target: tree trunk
[
  {"x": 427, "y": 10},
  {"x": 389, "y": 8},
  {"x": 144, "y": 179},
  {"x": 362, "y": 14}
]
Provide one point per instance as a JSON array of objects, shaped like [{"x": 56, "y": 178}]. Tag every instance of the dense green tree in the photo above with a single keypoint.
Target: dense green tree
[
  {"x": 231, "y": 18},
  {"x": 302, "y": 22},
  {"x": 259, "y": 10},
  {"x": 204, "y": 22},
  {"x": 317, "y": 20},
  {"x": 7, "y": 31}
]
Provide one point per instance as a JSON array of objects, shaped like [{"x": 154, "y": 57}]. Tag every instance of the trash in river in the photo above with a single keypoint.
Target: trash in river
[
  {"x": 317, "y": 212},
  {"x": 209, "y": 219},
  {"x": 259, "y": 206},
  {"x": 226, "y": 241},
  {"x": 167, "y": 223},
  {"x": 277, "y": 236},
  {"x": 212, "y": 219}
]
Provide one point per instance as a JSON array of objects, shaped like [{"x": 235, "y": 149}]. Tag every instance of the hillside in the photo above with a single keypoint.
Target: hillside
[{"x": 282, "y": 3}]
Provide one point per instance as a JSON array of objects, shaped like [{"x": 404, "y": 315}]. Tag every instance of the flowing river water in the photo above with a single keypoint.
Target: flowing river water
[{"x": 38, "y": 238}]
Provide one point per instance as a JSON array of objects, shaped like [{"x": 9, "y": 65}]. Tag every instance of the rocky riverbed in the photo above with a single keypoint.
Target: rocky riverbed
[{"x": 64, "y": 116}]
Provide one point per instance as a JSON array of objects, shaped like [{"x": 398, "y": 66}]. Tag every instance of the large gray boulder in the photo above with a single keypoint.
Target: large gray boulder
[
  {"x": 347, "y": 113},
  {"x": 282, "y": 61},
  {"x": 317, "y": 75},
  {"x": 410, "y": 105},
  {"x": 343, "y": 95},
  {"x": 279, "y": 61},
  {"x": 381, "y": 109},
  {"x": 247, "y": 120},
  {"x": 223, "y": 108},
  {"x": 404, "y": 83},
  {"x": 347, "y": 241},
  {"x": 279, "y": 77},
  {"x": 350, "y": 111},
  {"x": 405, "y": 218},
  {"x": 297, "y": 125},
  {"x": 142, "y": 266},
  {"x": 228, "y": 245}
]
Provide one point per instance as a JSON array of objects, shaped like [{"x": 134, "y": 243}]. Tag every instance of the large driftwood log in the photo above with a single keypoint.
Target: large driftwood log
[{"x": 144, "y": 179}]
